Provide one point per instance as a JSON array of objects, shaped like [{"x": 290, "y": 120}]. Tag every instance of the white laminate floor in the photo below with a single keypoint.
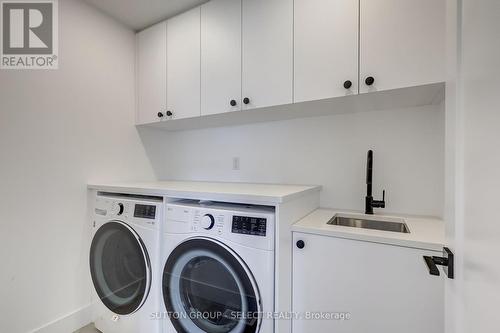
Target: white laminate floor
[{"x": 88, "y": 329}]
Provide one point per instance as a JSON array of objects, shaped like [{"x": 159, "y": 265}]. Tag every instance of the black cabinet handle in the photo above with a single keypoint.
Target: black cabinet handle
[
  {"x": 446, "y": 261},
  {"x": 233, "y": 102},
  {"x": 301, "y": 244},
  {"x": 246, "y": 100},
  {"x": 169, "y": 113},
  {"x": 347, "y": 84},
  {"x": 431, "y": 265},
  {"x": 370, "y": 80},
  {"x": 160, "y": 114}
]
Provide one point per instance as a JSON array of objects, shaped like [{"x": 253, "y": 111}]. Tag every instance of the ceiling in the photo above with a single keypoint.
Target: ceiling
[{"x": 139, "y": 14}]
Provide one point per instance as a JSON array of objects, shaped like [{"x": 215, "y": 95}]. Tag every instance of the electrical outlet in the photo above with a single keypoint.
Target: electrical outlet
[{"x": 236, "y": 163}]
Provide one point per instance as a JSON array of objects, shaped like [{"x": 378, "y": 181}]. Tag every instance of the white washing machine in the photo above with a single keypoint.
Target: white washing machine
[
  {"x": 124, "y": 263},
  {"x": 218, "y": 268}
]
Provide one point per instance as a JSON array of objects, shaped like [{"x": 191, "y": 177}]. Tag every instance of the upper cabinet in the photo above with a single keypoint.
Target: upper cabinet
[
  {"x": 183, "y": 65},
  {"x": 402, "y": 43},
  {"x": 246, "y": 54},
  {"x": 233, "y": 55},
  {"x": 220, "y": 56},
  {"x": 151, "y": 73},
  {"x": 326, "y": 49},
  {"x": 267, "y": 53}
]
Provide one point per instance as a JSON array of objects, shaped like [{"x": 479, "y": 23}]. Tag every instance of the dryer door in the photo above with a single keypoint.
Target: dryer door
[
  {"x": 120, "y": 267},
  {"x": 208, "y": 288}
]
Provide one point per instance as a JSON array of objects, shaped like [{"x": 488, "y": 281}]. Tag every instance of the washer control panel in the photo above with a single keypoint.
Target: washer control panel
[
  {"x": 246, "y": 225},
  {"x": 249, "y": 225}
]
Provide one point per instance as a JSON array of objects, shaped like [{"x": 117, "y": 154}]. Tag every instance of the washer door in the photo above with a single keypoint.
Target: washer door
[
  {"x": 207, "y": 288},
  {"x": 120, "y": 267}
]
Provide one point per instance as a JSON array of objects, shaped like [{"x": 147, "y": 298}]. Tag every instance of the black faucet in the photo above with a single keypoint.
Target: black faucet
[{"x": 369, "y": 202}]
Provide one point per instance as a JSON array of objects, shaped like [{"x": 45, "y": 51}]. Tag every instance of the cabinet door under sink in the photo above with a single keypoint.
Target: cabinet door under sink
[{"x": 382, "y": 288}]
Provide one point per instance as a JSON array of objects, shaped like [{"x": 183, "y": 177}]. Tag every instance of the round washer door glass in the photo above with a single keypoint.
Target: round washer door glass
[
  {"x": 120, "y": 267},
  {"x": 207, "y": 288}
]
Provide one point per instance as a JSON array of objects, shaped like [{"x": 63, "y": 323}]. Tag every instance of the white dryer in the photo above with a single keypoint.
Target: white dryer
[
  {"x": 124, "y": 262},
  {"x": 218, "y": 268}
]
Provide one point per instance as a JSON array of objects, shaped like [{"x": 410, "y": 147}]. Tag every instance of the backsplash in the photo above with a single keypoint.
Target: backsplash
[{"x": 330, "y": 151}]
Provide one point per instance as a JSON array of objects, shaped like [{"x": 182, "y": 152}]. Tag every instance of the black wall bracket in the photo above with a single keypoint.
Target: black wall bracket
[{"x": 446, "y": 261}]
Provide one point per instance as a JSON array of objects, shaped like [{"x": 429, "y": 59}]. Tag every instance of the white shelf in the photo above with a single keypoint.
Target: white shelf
[{"x": 430, "y": 94}]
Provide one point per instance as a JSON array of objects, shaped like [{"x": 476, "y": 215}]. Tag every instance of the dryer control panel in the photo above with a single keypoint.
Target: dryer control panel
[
  {"x": 129, "y": 209},
  {"x": 145, "y": 211},
  {"x": 244, "y": 224}
]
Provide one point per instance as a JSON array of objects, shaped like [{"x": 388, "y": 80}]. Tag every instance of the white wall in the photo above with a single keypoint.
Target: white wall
[
  {"x": 330, "y": 151},
  {"x": 453, "y": 168},
  {"x": 59, "y": 130},
  {"x": 474, "y": 230}
]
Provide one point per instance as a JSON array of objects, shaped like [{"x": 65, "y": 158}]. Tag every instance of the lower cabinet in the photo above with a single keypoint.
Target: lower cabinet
[{"x": 342, "y": 285}]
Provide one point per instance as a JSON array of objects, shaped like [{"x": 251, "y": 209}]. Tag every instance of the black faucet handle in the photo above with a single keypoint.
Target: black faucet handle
[{"x": 378, "y": 203}]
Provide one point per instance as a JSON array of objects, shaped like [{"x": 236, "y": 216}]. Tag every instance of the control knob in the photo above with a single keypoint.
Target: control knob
[
  {"x": 118, "y": 209},
  {"x": 207, "y": 221}
]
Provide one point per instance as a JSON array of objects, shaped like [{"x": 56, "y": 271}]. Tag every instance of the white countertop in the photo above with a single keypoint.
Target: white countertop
[
  {"x": 425, "y": 232},
  {"x": 229, "y": 192}
]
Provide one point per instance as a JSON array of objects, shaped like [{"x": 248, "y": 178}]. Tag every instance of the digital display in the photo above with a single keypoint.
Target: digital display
[
  {"x": 145, "y": 211},
  {"x": 254, "y": 226}
]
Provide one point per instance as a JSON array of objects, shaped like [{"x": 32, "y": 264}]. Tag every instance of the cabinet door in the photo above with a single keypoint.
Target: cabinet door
[
  {"x": 183, "y": 65},
  {"x": 383, "y": 288},
  {"x": 267, "y": 52},
  {"x": 220, "y": 56},
  {"x": 151, "y": 73},
  {"x": 326, "y": 48},
  {"x": 402, "y": 43}
]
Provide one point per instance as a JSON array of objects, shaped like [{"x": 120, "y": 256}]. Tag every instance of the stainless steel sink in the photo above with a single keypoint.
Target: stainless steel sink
[{"x": 361, "y": 221}]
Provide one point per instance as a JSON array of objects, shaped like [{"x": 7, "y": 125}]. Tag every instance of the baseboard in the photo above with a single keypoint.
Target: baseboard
[{"x": 69, "y": 323}]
